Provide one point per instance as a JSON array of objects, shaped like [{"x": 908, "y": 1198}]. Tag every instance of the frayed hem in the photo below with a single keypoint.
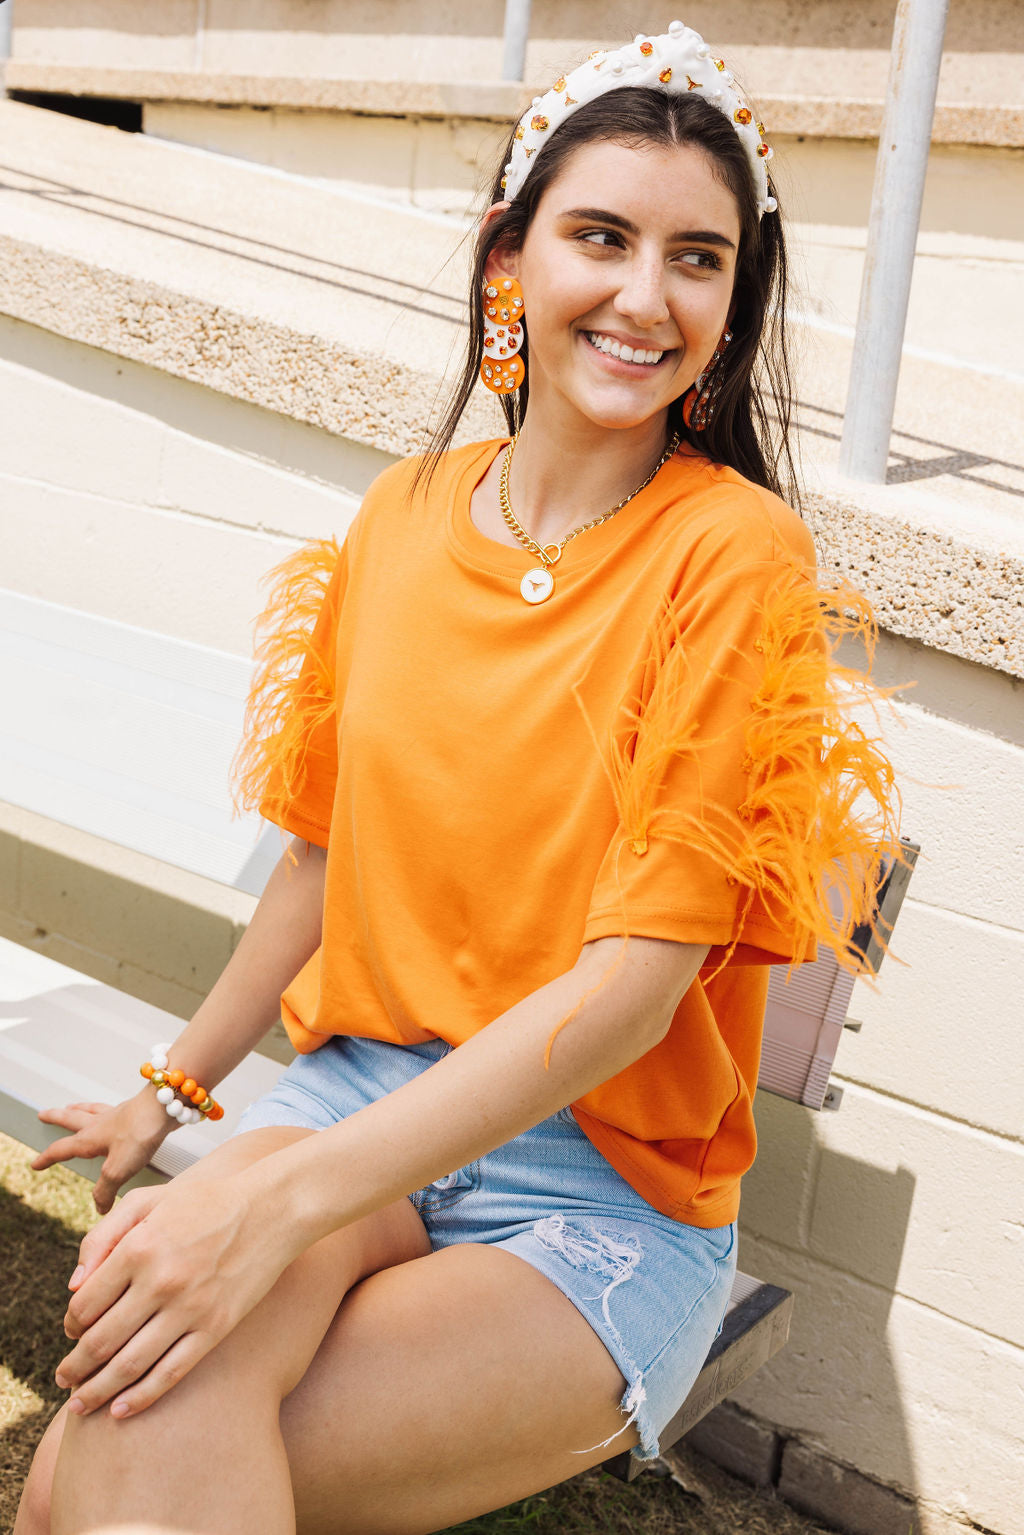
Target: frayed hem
[{"x": 614, "y": 1260}]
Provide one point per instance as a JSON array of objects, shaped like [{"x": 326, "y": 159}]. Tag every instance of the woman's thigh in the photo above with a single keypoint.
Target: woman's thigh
[
  {"x": 301, "y": 1304},
  {"x": 445, "y": 1387}
]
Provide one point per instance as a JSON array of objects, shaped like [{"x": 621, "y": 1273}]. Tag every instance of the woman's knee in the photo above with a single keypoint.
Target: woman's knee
[{"x": 34, "y": 1509}]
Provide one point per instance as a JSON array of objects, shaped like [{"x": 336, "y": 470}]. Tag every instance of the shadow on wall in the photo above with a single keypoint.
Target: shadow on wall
[{"x": 832, "y": 1229}]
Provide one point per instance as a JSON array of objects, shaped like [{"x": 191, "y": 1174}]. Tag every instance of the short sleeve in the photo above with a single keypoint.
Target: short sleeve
[
  {"x": 287, "y": 763},
  {"x": 735, "y": 767}
]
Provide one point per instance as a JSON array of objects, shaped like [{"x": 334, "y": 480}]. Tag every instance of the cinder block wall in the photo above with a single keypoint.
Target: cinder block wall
[{"x": 897, "y": 1221}]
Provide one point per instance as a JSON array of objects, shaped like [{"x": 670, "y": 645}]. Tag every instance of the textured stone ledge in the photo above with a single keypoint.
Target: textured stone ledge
[
  {"x": 924, "y": 585},
  {"x": 367, "y": 398},
  {"x": 302, "y": 302},
  {"x": 996, "y": 126}
]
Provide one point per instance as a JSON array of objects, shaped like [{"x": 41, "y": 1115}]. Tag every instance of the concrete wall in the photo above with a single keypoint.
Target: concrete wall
[
  {"x": 446, "y": 164},
  {"x": 896, "y": 1222},
  {"x": 815, "y": 48}
]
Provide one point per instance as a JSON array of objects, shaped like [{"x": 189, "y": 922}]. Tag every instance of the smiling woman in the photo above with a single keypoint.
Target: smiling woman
[{"x": 558, "y": 731}]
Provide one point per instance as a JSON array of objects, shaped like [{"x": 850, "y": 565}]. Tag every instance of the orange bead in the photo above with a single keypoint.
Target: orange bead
[
  {"x": 147, "y": 1070},
  {"x": 198, "y": 1096},
  {"x": 187, "y": 1085},
  {"x": 216, "y": 1112},
  {"x": 175, "y": 1078}
]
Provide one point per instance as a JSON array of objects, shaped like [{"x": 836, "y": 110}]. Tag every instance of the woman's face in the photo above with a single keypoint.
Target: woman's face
[{"x": 627, "y": 273}]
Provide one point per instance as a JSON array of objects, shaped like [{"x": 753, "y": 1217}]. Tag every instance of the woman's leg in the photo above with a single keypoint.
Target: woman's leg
[
  {"x": 444, "y": 1388},
  {"x": 168, "y": 1465}
]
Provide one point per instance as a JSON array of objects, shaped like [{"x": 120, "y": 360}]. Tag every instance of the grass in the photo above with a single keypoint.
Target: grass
[{"x": 43, "y": 1216}]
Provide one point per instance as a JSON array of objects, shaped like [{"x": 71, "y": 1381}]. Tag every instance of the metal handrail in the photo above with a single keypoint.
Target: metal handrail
[
  {"x": 892, "y": 237},
  {"x": 517, "y": 31},
  {"x": 6, "y": 11}
]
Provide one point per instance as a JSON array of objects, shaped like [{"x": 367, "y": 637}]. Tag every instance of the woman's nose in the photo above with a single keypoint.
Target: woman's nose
[{"x": 641, "y": 294}]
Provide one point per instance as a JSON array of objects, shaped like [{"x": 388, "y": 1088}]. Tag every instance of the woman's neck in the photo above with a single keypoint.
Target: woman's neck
[{"x": 561, "y": 478}]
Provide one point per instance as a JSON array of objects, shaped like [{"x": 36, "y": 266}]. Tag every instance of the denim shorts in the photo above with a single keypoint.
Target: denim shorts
[{"x": 653, "y": 1289}]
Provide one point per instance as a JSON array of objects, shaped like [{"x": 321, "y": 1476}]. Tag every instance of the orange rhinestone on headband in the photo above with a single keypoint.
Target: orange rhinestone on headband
[{"x": 678, "y": 62}]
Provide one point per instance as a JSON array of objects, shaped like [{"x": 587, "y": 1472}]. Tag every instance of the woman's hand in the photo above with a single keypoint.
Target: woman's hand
[
  {"x": 125, "y": 1136},
  {"x": 168, "y": 1275}
]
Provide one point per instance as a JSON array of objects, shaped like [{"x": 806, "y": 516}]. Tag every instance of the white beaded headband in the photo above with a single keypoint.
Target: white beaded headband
[{"x": 677, "y": 62}]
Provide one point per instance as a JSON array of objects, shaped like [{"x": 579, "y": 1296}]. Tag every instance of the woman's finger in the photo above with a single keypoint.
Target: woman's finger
[
  {"x": 89, "y": 1108},
  {"x": 99, "y": 1243},
  {"x": 99, "y": 1291},
  {"x": 104, "y": 1369},
  {"x": 167, "y": 1372},
  {"x": 81, "y": 1144},
  {"x": 142, "y": 1373}
]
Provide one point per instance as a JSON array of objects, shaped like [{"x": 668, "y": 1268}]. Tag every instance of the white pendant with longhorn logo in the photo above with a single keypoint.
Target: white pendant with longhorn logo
[{"x": 538, "y": 584}]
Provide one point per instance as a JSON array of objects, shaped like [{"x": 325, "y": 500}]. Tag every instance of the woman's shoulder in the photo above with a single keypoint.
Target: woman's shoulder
[
  {"x": 420, "y": 474},
  {"x": 740, "y": 514}
]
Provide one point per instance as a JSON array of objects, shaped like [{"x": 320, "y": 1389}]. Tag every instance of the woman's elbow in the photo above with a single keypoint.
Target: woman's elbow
[{"x": 653, "y": 974}]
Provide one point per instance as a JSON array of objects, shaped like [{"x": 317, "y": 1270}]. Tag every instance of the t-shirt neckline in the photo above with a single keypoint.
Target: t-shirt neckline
[{"x": 486, "y": 554}]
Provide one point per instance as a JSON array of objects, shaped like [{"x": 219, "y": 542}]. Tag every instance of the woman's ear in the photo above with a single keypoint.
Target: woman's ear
[{"x": 503, "y": 260}]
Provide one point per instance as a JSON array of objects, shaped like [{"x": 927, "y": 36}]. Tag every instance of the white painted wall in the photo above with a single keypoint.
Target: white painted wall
[
  {"x": 131, "y": 494},
  {"x": 898, "y": 1221}
]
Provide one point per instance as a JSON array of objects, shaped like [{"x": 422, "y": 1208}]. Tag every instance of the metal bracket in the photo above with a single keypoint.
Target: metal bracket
[{"x": 833, "y": 1097}]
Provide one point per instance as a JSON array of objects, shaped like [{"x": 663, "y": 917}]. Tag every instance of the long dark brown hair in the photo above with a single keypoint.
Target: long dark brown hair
[{"x": 749, "y": 429}]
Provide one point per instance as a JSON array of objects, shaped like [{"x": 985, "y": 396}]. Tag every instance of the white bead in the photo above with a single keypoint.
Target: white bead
[
  {"x": 703, "y": 52},
  {"x": 770, "y": 205},
  {"x": 640, "y": 38},
  {"x": 165, "y": 1094},
  {"x": 508, "y": 169},
  {"x": 162, "y": 1049},
  {"x": 158, "y": 1061},
  {"x": 175, "y": 1109},
  {"x": 675, "y": 27},
  {"x": 537, "y": 100},
  {"x": 617, "y": 67}
]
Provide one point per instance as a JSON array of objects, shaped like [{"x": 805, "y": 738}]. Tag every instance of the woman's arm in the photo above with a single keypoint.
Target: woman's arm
[
  {"x": 244, "y": 1003},
  {"x": 489, "y": 1090},
  {"x": 184, "y": 1274}
]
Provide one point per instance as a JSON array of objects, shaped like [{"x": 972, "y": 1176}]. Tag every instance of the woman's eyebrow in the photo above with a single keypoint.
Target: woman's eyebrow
[{"x": 604, "y": 216}]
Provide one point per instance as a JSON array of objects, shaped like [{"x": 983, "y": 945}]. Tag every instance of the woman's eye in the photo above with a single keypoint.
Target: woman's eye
[
  {"x": 600, "y": 237},
  {"x": 706, "y": 259}
]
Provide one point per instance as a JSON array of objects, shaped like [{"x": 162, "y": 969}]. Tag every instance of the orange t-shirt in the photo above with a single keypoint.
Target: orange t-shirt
[{"x": 498, "y": 783}]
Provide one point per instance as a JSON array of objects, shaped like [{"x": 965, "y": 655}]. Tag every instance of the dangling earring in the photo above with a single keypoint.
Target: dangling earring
[
  {"x": 699, "y": 407},
  {"x": 501, "y": 370}
]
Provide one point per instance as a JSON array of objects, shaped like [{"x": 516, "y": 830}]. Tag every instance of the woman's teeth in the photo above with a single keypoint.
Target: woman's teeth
[{"x": 627, "y": 353}]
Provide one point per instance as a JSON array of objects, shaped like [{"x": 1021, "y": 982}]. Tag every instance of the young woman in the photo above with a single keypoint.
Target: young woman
[{"x": 555, "y": 763}]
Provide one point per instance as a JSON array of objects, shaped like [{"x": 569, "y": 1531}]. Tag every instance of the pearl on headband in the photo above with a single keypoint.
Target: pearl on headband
[{"x": 677, "y": 62}]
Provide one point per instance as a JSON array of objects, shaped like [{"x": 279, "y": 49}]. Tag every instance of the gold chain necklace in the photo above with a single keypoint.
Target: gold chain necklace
[{"x": 538, "y": 583}]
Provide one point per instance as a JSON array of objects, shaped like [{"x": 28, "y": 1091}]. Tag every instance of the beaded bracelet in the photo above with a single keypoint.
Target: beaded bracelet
[{"x": 194, "y": 1103}]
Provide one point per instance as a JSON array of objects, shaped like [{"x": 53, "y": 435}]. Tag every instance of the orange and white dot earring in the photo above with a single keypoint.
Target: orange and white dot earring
[{"x": 501, "y": 369}]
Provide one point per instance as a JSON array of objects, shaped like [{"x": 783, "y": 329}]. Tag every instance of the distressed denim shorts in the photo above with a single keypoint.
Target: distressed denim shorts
[{"x": 654, "y": 1290}]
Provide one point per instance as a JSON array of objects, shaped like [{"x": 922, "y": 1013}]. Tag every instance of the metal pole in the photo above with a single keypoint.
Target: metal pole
[
  {"x": 892, "y": 237},
  {"x": 517, "y": 30},
  {"x": 6, "y": 11}
]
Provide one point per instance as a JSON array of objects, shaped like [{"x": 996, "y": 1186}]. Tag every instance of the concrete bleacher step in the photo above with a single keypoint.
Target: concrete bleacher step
[{"x": 345, "y": 311}]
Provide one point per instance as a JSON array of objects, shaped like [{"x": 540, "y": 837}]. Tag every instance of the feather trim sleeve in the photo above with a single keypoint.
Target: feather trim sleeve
[
  {"x": 744, "y": 757},
  {"x": 755, "y": 810},
  {"x": 286, "y": 763}
]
